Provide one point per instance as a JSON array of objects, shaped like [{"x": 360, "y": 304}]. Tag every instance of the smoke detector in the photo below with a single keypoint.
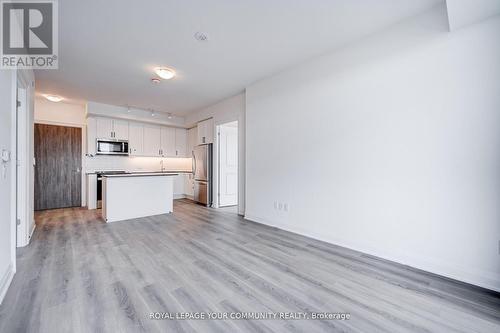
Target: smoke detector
[{"x": 201, "y": 36}]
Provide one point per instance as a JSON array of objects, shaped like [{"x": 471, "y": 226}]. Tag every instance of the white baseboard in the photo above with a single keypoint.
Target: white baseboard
[
  {"x": 480, "y": 279},
  {"x": 31, "y": 233},
  {"x": 179, "y": 196},
  {"x": 5, "y": 282}
]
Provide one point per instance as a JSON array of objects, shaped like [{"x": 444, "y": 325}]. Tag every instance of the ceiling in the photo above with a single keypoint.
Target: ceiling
[{"x": 108, "y": 49}]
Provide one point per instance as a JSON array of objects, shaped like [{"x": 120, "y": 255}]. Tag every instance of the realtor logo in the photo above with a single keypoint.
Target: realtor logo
[{"x": 29, "y": 34}]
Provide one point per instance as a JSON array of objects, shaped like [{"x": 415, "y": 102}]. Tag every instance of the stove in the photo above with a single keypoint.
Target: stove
[{"x": 99, "y": 183}]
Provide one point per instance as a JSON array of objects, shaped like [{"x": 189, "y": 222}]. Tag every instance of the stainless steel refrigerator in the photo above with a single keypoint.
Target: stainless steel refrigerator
[{"x": 202, "y": 170}]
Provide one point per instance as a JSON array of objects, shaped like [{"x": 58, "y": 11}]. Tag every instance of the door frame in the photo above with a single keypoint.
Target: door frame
[
  {"x": 24, "y": 221},
  {"x": 218, "y": 158},
  {"x": 84, "y": 149},
  {"x": 223, "y": 118}
]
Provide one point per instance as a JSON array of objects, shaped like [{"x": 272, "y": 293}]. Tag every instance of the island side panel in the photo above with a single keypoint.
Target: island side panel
[{"x": 127, "y": 198}]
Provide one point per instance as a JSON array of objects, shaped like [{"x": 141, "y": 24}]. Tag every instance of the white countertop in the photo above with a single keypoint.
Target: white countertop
[{"x": 142, "y": 174}]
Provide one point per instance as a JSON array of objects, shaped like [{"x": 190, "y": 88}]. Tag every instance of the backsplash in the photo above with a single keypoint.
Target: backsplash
[{"x": 98, "y": 163}]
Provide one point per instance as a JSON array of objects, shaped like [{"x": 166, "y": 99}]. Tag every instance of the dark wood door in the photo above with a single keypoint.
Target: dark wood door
[{"x": 58, "y": 157}]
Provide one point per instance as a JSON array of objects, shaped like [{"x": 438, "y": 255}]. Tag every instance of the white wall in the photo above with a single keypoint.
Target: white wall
[
  {"x": 7, "y": 181},
  {"x": 464, "y": 12},
  {"x": 390, "y": 146},
  {"x": 228, "y": 110},
  {"x": 59, "y": 113}
]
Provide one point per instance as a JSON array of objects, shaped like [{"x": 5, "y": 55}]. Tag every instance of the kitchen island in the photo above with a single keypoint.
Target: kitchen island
[{"x": 134, "y": 195}]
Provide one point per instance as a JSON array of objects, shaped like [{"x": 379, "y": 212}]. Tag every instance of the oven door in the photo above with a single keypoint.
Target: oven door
[{"x": 105, "y": 147}]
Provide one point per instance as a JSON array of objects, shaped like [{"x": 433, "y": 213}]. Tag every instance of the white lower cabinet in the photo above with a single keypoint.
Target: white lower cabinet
[
  {"x": 179, "y": 186},
  {"x": 189, "y": 185}
]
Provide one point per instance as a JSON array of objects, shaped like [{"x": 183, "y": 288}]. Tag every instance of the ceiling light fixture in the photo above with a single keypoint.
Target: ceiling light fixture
[
  {"x": 128, "y": 109},
  {"x": 54, "y": 98},
  {"x": 155, "y": 80},
  {"x": 165, "y": 73},
  {"x": 201, "y": 36},
  {"x": 153, "y": 113},
  {"x": 169, "y": 116}
]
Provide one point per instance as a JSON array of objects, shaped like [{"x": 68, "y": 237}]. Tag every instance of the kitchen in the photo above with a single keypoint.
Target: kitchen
[{"x": 140, "y": 144}]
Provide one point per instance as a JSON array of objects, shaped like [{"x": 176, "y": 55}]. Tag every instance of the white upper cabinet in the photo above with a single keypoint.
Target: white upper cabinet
[
  {"x": 168, "y": 141},
  {"x": 152, "y": 140},
  {"x": 191, "y": 140},
  {"x": 144, "y": 139},
  {"x": 112, "y": 129},
  {"x": 136, "y": 139},
  {"x": 104, "y": 128},
  {"x": 181, "y": 142},
  {"x": 120, "y": 129},
  {"x": 205, "y": 132}
]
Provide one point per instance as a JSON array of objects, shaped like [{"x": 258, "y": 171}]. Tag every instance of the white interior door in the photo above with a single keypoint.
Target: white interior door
[{"x": 228, "y": 165}]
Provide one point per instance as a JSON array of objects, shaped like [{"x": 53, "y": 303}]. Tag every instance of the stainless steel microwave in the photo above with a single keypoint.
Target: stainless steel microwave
[{"x": 112, "y": 147}]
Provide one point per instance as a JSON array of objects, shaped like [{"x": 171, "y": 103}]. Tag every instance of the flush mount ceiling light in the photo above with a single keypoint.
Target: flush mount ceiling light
[
  {"x": 155, "y": 80},
  {"x": 165, "y": 73},
  {"x": 201, "y": 36},
  {"x": 53, "y": 98},
  {"x": 169, "y": 116}
]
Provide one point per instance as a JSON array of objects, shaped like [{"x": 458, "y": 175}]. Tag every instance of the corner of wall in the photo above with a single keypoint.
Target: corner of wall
[{"x": 5, "y": 281}]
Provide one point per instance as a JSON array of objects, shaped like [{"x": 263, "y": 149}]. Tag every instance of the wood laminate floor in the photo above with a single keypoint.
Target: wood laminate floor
[{"x": 82, "y": 275}]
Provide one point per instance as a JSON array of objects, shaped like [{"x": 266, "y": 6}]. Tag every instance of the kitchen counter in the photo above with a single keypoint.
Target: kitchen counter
[
  {"x": 134, "y": 195},
  {"x": 136, "y": 172},
  {"x": 142, "y": 174}
]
